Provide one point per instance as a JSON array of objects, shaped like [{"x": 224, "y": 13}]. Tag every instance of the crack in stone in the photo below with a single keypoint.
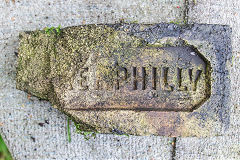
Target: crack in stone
[{"x": 174, "y": 148}]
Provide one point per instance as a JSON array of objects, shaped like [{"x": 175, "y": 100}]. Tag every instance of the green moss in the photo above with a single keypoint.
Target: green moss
[
  {"x": 179, "y": 22},
  {"x": 82, "y": 128},
  {"x": 33, "y": 64},
  {"x": 53, "y": 30}
]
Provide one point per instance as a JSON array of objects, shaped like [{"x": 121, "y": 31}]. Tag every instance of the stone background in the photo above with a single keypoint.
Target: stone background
[
  {"x": 33, "y": 129},
  {"x": 227, "y": 146}
]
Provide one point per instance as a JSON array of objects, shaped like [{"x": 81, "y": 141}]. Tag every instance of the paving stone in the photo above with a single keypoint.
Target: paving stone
[
  {"x": 82, "y": 76},
  {"x": 21, "y": 116},
  {"x": 221, "y": 147}
]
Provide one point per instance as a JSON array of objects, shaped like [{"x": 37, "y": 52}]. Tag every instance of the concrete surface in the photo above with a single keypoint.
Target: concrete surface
[{"x": 34, "y": 130}]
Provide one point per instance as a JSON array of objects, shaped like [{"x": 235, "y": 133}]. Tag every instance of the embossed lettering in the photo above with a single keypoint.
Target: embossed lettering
[
  {"x": 154, "y": 78},
  {"x": 186, "y": 79},
  {"x": 180, "y": 79},
  {"x": 165, "y": 82},
  {"x": 134, "y": 76},
  {"x": 83, "y": 79}
]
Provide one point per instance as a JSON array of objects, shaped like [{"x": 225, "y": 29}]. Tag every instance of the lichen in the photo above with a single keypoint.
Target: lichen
[{"x": 33, "y": 64}]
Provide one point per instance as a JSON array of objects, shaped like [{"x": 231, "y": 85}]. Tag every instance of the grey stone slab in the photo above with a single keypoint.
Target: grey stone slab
[
  {"x": 217, "y": 148},
  {"x": 226, "y": 13},
  {"x": 225, "y": 146},
  {"x": 21, "y": 116}
]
